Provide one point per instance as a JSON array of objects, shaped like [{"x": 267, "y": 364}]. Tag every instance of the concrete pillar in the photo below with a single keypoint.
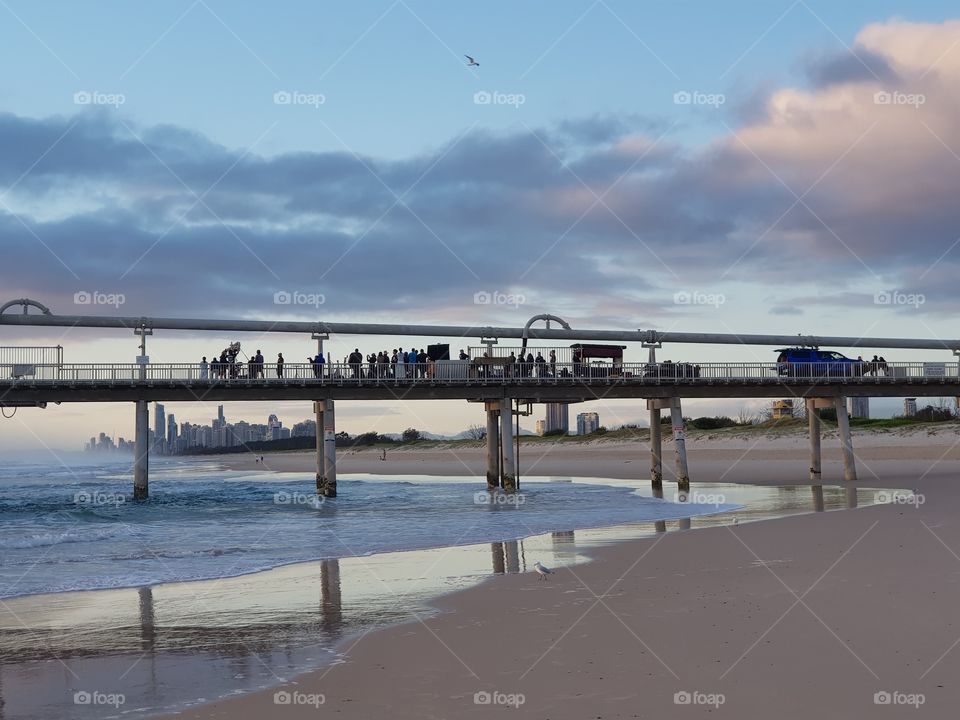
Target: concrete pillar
[
  {"x": 656, "y": 449},
  {"x": 813, "y": 427},
  {"x": 508, "y": 478},
  {"x": 846, "y": 442},
  {"x": 326, "y": 449},
  {"x": 141, "y": 452},
  {"x": 679, "y": 444},
  {"x": 493, "y": 445}
]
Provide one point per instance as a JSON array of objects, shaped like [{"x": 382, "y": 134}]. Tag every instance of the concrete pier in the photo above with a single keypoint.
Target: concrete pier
[
  {"x": 141, "y": 452},
  {"x": 656, "y": 446},
  {"x": 508, "y": 476},
  {"x": 493, "y": 444},
  {"x": 846, "y": 441},
  {"x": 813, "y": 426},
  {"x": 326, "y": 448},
  {"x": 679, "y": 444}
]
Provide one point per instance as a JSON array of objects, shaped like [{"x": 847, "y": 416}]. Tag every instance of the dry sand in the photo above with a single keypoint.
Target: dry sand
[{"x": 808, "y": 616}]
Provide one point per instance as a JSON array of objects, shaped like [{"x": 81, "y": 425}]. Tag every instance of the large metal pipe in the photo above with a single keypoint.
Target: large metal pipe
[{"x": 467, "y": 331}]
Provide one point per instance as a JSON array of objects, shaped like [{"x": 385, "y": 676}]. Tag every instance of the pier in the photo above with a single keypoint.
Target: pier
[{"x": 488, "y": 376}]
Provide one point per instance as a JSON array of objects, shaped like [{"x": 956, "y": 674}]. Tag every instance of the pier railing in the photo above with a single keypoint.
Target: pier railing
[{"x": 495, "y": 371}]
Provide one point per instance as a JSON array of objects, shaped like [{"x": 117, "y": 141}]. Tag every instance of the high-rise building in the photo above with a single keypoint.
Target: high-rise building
[
  {"x": 273, "y": 428},
  {"x": 541, "y": 427},
  {"x": 159, "y": 423},
  {"x": 587, "y": 423},
  {"x": 558, "y": 418},
  {"x": 909, "y": 407},
  {"x": 172, "y": 432},
  {"x": 859, "y": 407},
  {"x": 307, "y": 428}
]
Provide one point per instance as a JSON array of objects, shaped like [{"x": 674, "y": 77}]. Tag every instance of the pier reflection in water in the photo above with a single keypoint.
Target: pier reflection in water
[{"x": 168, "y": 646}]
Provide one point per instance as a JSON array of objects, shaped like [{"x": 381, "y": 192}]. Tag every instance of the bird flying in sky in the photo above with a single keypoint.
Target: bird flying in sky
[{"x": 472, "y": 62}]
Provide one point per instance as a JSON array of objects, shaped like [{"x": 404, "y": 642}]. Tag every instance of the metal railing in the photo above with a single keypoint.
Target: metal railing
[
  {"x": 492, "y": 371},
  {"x": 24, "y": 360}
]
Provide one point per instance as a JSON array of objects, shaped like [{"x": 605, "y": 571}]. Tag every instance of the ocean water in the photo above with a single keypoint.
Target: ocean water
[
  {"x": 139, "y": 642},
  {"x": 75, "y": 526}
]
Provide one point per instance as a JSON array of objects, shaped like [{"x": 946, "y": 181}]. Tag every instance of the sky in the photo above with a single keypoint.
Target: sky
[{"x": 744, "y": 167}]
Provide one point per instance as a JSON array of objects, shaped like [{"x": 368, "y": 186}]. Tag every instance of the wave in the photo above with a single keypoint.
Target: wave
[{"x": 47, "y": 539}]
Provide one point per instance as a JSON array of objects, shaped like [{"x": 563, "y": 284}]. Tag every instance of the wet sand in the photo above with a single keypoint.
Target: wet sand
[{"x": 830, "y": 615}]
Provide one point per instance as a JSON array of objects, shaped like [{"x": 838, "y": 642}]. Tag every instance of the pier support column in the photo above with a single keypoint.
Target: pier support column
[
  {"x": 141, "y": 452},
  {"x": 493, "y": 444},
  {"x": 846, "y": 442},
  {"x": 813, "y": 426},
  {"x": 508, "y": 476},
  {"x": 656, "y": 444},
  {"x": 326, "y": 449},
  {"x": 679, "y": 444}
]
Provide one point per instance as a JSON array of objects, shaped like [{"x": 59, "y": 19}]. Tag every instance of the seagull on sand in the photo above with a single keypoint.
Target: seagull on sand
[
  {"x": 542, "y": 570},
  {"x": 472, "y": 63}
]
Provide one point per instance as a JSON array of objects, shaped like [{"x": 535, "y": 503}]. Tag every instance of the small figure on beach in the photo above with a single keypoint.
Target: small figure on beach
[{"x": 542, "y": 570}]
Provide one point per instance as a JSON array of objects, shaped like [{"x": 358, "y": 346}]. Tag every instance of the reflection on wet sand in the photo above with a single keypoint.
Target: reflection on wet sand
[
  {"x": 817, "y": 497},
  {"x": 331, "y": 601},
  {"x": 850, "y": 494},
  {"x": 506, "y": 557},
  {"x": 168, "y": 645}
]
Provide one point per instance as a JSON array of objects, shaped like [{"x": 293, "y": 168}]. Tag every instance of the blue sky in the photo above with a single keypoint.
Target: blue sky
[
  {"x": 387, "y": 187},
  {"x": 392, "y": 73}
]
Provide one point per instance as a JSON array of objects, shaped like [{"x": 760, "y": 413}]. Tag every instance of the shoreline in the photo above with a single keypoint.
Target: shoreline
[
  {"x": 434, "y": 667},
  {"x": 430, "y": 604},
  {"x": 416, "y": 659}
]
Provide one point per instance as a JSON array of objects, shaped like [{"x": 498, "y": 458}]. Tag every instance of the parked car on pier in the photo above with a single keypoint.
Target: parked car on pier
[{"x": 814, "y": 362}]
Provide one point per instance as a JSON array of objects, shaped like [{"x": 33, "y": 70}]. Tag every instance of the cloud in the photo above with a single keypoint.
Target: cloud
[{"x": 852, "y": 178}]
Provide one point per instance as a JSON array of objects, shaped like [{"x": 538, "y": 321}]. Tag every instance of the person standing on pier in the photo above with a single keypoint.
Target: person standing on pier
[
  {"x": 279, "y": 365},
  {"x": 258, "y": 358},
  {"x": 553, "y": 363},
  {"x": 204, "y": 368},
  {"x": 401, "y": 370}
]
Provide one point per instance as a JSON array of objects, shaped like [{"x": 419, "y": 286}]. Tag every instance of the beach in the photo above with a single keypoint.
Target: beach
[{"x": 835, "y": 614}]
